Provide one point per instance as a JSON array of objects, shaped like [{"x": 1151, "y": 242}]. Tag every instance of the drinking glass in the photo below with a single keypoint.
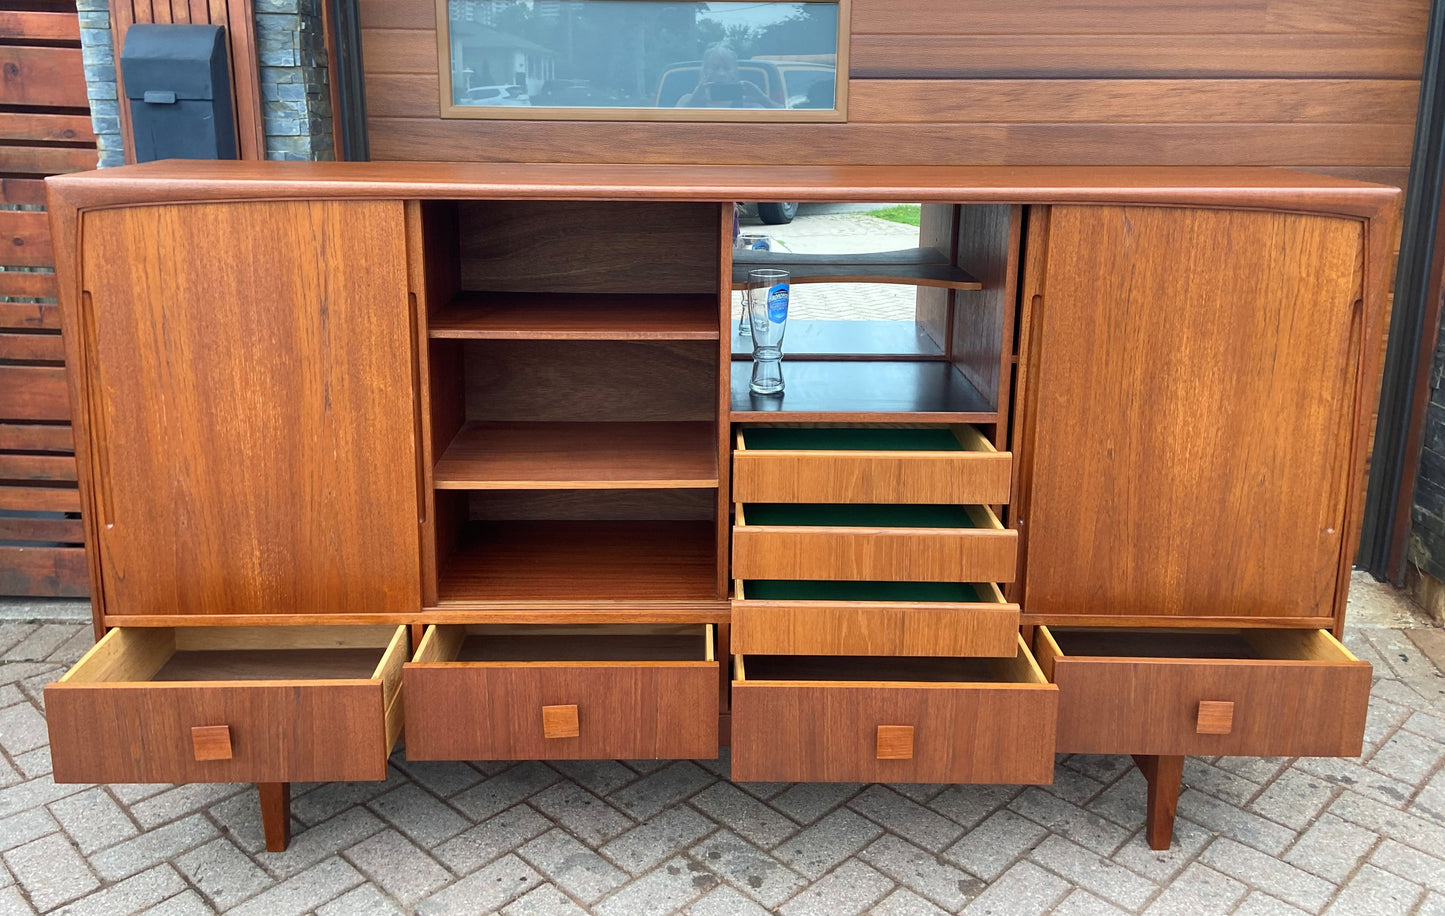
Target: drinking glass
[{"x": 767, "y": 311}]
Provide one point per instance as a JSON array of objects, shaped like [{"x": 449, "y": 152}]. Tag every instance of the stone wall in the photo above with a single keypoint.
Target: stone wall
[
  {"x": 98, "y": 52},
  {"x": 295, "y": 92}
]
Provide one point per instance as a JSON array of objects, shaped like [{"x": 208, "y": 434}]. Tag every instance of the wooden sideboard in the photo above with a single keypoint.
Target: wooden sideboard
[{"x": 469, "y": 449}]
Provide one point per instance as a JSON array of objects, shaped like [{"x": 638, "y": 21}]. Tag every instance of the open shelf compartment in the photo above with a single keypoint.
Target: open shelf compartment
[{"x": 579, "y": 560}]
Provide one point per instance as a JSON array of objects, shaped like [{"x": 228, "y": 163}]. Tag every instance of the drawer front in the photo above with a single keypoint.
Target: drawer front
[
  {"x": 591, "y": 710},
  {"x": 871, "y": 477},
  {"x": 902, "y": 554},
  {"x": 980, "y": 733},
  {"x": 305, "y": 731},
  {"x": 1211, "y": 707},
  {"x": 873, "y": 628}
]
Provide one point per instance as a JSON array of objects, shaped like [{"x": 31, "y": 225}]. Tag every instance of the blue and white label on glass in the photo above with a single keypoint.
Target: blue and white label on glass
[{"x": 778, "y": 303}]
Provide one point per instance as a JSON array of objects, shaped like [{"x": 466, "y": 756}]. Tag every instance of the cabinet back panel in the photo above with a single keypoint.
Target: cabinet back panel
[
  {"x": 545, "y": 380},
  {"x": 588, "y": 247},
  {"x": 1194, "y": 397},
  {"x": 600, "y": 505}
]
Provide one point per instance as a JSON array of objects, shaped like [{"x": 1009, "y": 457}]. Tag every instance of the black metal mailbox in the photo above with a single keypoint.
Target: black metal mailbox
[{"x": 178, "y": 82}]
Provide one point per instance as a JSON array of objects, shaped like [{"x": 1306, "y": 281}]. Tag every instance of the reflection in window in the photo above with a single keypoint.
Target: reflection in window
[{"x": 643, "y": 54}]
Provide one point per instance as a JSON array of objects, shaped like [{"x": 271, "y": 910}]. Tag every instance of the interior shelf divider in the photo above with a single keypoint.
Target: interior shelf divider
[
  {"x": 577, "y": 316},
  {"x": 842, "y": 391},
  {"x": 573, "y": 456},
  {"x": 909, "y": 266}
]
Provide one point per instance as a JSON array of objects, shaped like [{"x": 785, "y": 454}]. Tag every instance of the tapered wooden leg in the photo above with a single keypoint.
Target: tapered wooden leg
[
  {"x": 276, "y": 814},
  {"x": 1164, "y": 775}
]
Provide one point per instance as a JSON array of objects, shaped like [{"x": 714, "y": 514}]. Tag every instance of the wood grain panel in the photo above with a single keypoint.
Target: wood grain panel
[
  {"x": 899, "y": 144},
  {"x": 1148, "y": 56},
  {"x": 39, "y": 25},
  {"x": 282, "y": 478},
  {"x": 399, "y": 51},
  {"x": 1121, "y": 101},
  {"x": 885, "y": 555},
  {"x": 398, "y": 14},
  {"x": 36, "y": 438},
  {"x": 45, "y": 127},
  {"x": 37, "y": 467},
  {"x": 52, "y": 77},
  {"x": 493, "y": 711},
  {"x": 37, "y": 316},
  {"x": 32, "y": 347},
  {"x": 25, "y": 239},
  {"x": 27, "y": 191},
  {"x": 1143, "y": 17},
  {"x": 1223, "y": 327},
  {"x": 43, "y": 572},
  {"x": 39, "y": 499},
  {"x": 43, "y": 530},
  {"x": 49, "y": 160},
  {"x": 986, "y": 733},
  {"x": 19, "y": 437},
  {"x": 33, "y": 393},
  {"x": 873, "y": 628},
  {"x": 280, "y": 732},
  {"x": 1281, "y": 708}
]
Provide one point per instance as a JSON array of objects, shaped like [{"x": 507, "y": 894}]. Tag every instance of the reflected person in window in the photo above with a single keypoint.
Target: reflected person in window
[{"x": 720, "y": 86}]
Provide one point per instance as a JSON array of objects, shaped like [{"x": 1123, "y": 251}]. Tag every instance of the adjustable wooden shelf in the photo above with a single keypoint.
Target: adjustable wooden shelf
[{"x": 472, "y": 448}]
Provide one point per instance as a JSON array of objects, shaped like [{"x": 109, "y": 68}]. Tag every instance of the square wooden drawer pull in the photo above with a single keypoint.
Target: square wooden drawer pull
[
  {"x": 1215, "y": 718},
  {"x": 895, "y": 742},
  {"x": 560, "y": 721},
  {"x": 211, "y": 742}
]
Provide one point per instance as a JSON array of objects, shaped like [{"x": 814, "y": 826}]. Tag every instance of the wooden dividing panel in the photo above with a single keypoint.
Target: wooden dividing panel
[
  {"x": 1277, "y": 82},
  {"x": 44, "y": 129}
]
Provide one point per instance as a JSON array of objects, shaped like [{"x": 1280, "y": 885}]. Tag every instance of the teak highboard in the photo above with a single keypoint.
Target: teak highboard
[{"x": 469, "y": 450}]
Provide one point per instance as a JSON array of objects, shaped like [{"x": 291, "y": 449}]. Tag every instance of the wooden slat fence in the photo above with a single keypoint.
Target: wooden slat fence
[{"x": 45, "y": 129}]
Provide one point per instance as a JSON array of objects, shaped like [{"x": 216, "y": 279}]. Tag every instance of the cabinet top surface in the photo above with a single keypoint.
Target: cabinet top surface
[{"x": 191, "y": 180}]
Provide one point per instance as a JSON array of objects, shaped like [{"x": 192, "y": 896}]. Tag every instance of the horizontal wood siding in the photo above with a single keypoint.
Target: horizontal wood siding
[
  {"x": 1327, "y": 84},
  {"x": 45, "y": 129}
]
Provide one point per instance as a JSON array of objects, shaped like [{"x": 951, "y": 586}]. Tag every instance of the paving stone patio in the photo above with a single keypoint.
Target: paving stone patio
[{"x": 634, "y": 838}]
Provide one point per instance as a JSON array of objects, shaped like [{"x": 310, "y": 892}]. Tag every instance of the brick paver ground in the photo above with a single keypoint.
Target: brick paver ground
[{"x": 631, "y": 838}]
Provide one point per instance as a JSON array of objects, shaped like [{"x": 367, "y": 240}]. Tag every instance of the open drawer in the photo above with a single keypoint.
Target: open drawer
[
  {"x": 548, "y": 692},
  {"x": 883, "y": 464},
  {"x": 1249, "y": 692},
  {"x": 828, "y": 617},
  {"x": 229, "y": 704},
  {"x": 852, "y": 719},
  {"x": 872, "y": 542}
]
